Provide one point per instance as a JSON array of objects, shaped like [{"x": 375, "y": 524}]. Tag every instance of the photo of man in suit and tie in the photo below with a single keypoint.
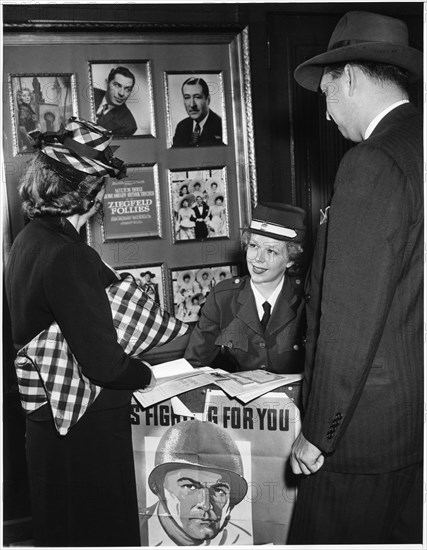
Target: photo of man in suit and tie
[
  {"x": 110, "y": 105},
  {"x": 202, "y": 127}
]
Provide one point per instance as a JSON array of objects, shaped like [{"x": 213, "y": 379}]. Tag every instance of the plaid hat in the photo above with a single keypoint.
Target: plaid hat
[
  {"x": 81, "y": 146},
  {"x": 283, "y": 222}
]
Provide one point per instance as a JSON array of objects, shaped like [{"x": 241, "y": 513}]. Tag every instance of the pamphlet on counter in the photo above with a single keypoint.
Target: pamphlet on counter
[{"x": 175, "y": 377}]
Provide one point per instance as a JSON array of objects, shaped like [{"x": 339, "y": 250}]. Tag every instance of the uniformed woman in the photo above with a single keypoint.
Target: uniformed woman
[{"x": 257, "y": 321}]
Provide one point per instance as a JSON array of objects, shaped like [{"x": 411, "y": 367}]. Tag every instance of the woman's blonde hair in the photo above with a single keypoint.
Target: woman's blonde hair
[{"x": 46, "y": 192}]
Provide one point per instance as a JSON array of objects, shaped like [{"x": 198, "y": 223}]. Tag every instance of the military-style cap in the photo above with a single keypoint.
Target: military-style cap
[{"x": 283, "y": 222}]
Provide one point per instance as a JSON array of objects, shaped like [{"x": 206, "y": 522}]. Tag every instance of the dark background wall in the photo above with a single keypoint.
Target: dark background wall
[{"x": 296, "y": 154}]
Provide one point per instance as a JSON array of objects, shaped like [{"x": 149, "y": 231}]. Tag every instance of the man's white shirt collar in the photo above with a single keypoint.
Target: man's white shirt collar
[
  {"x": 201, "y": 123},
  {"x": 272, "y": 299},
  {"x": 101, "y": 107},
  {"x": 379, "y": 117}
]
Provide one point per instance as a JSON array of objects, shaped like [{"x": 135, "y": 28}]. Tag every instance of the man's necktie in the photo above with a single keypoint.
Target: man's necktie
[
  {"x": 196, "y": 134},
  {"x": 267, "y": 312},
  {"x": 102, "y": 111}
]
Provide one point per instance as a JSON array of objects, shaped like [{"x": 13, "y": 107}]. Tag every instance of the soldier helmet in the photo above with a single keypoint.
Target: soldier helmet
[{"x": 202, "y": 445}]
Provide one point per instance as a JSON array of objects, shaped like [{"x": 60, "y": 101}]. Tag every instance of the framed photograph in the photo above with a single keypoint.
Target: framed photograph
[
  {"x": 195, "y": 109},
  {"x": 151, "y": 278},
  {"x": 191, "y": 286},
  {"x": 199, "y": 203},
  {"x": 121, "y": 97},
  {"x": 40, "y": 101},
  {"x": 136, "y": 233},
  {"x": 131, "y": 206}
]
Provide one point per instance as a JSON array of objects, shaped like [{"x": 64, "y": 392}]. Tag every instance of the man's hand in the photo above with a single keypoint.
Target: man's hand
[{"x": 306, "y": 458}]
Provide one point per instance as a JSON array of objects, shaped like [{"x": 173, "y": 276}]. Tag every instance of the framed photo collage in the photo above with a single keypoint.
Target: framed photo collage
[{"x": 184, "y": 132}]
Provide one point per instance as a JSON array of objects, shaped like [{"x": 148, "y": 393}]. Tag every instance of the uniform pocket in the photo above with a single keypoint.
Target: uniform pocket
[{"x": 234, "y": 336}]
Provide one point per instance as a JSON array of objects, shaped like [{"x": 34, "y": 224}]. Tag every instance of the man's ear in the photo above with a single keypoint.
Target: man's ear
[
  {"x": 350, "y": 78},
  {"x": 290, "y": 264}
]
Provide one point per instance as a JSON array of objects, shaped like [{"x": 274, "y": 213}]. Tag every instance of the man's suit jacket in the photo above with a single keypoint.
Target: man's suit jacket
[
  {"x": 364, "y": 369},
  {"x": 211, "y": 134},
  {"x": 118, "y": 120},
  {"x": 201, "y": 229},
  {"x": 229, "y": 334}
]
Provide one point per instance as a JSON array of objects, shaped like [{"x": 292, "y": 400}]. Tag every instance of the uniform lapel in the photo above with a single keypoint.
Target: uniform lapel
[{"x": 248, "y": 313}]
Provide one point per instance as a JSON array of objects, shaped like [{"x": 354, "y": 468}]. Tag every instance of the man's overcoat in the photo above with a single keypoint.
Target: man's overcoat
[{"x": 363, "y": 385}]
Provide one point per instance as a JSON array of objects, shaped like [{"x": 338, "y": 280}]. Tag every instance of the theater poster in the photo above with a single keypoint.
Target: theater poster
[
  {"x": 131, "y": 207},
  {"x": 219, "y": 476}
]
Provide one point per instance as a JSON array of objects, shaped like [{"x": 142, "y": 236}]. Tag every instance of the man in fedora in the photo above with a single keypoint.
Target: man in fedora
[{"x": 361, "y": 446}]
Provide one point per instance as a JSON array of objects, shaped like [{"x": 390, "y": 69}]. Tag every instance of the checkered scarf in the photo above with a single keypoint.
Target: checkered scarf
[{"x": 48, "y": 372}]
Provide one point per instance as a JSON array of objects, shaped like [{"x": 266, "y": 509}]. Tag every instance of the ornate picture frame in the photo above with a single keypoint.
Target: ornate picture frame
[
  {"x": 131, "y": 206},
  {"x": 152, "y": 279},
  {"x": 221, "y": 50},
  {"x": 190, "y": 287},
  {"x": 195, "y": 96},
  {"x": 199, "y": 203},
  {"x": 40, "y": 101},
  {"x": 129, "y": 106}
]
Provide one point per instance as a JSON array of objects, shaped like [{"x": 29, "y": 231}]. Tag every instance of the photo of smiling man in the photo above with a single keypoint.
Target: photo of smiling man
[
  {"x": 122, "y": 99},
  {"x": 203, "y": 127}
]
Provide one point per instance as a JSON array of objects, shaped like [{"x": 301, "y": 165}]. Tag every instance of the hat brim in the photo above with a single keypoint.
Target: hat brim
[
  {"x": 297, "y": 239},
  {"x": 309, "y": 74}
]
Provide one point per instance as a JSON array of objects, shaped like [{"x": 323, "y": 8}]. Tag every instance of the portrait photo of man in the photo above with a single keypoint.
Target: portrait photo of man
[
  {"x": 122, "y": 98},
  {"x": 196, "y": 110},
  {"x": 198, "y": 480}
]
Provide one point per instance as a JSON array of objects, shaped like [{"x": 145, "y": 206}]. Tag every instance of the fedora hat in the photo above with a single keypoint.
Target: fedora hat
[
  {"x": 80, "y": 146},
  {"x": 283, "y": 222},
  {"x": 364, "y": 36}
]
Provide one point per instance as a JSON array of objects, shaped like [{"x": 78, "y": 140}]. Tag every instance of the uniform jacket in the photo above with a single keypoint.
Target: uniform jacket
[
  {"x": 118, "y": 120},
  {"x": 201, "y": 229},
  {"x": 363, "y": 379},
  {"x": 211, "y": 133},
  {"x": 53, "y": 275},
  {"x": 229, "y": 335}
]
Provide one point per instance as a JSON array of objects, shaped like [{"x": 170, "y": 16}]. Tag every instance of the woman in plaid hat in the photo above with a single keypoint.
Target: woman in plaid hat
[{"x": 82, "y": 484}]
